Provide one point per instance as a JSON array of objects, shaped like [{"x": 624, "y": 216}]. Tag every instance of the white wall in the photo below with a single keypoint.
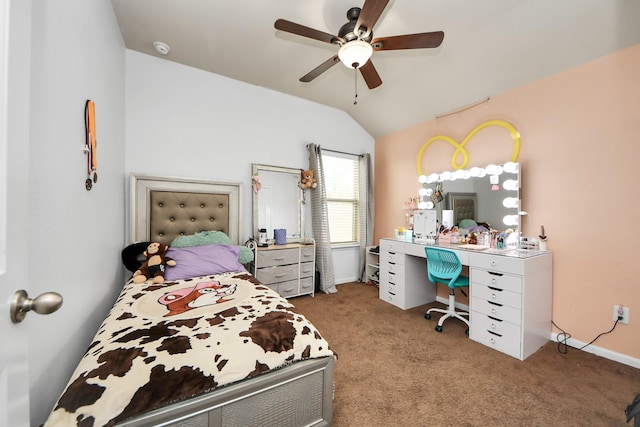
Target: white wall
[
  {"x": 76, "y": 235},
  {"x": 185, "y": 122}
]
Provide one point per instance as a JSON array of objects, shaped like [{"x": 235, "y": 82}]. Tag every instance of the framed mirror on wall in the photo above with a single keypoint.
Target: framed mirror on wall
[
  {"x": 486, "y": 195},
  {"x": 278, "y": 201}
]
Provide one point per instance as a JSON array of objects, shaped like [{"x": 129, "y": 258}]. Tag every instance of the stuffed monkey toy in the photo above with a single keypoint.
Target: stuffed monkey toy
[{"x": 155, "y": 264}]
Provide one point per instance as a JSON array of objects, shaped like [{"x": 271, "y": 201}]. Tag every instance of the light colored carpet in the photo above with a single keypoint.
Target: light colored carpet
[{"x": 394, "y": 369}]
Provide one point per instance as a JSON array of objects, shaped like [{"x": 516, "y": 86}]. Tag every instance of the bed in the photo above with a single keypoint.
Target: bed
[{"x": 215, "y": 349}]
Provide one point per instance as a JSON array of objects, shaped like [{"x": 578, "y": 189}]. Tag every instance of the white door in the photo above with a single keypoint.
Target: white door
[{"x": 15, "y": 49}]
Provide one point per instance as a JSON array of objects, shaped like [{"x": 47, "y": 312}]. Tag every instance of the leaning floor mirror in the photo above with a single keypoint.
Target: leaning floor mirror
[{"x": 277, "y": 201}]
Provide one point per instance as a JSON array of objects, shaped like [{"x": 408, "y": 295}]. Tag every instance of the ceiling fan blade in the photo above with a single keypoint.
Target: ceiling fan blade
[
  {"x": 301, "y": 30},
  {"x": 371, "y": 11},
  {"x": 409, "y": 41},
  {"x": 320, "y": 69},
  {"x": 370, "y": 75}
]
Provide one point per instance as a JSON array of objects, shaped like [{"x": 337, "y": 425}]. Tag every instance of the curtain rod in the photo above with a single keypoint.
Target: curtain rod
[
  {"x": 340, "y": 152},
  {"x": 465, "y": 108}
]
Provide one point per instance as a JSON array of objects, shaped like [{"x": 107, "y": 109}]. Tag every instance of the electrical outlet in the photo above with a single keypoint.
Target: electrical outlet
[{"x": 621, "y": 311}]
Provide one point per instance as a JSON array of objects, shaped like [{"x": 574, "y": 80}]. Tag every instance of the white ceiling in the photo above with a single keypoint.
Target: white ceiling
[{"x": 490, "y": 46}]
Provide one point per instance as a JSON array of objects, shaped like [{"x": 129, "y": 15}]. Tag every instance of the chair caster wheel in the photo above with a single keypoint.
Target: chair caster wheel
[
  {"x": 427, "y": 316},
  {"x": 467, "y": 332},
  {"x": 438, "y": 328}
]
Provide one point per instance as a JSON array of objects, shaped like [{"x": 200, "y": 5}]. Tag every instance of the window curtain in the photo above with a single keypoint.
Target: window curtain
[
  {"x": 320, "y": 223},
  {"x": 366, "y": 211}
]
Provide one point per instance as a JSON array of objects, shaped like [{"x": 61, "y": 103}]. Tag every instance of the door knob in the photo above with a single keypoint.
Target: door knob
[{"x": 45, "y": 303}]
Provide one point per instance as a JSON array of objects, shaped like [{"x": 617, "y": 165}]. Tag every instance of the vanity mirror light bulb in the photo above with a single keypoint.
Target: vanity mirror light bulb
[
  {"x": 422, "y": 179},
  {"x": 510, "y": 184},
  {"x": 429, "y": 192},
  {"x": 510, "y": 220},
  {"x": 492, "y": 170},
  {"x": 422, "y": 192},
  {"x": 474, "y": 171},
  {"x": 445, "y": 176},
  {"x": 428, "y": 205},
  {"x": 432, "y": 178},
  {"x": 482, "y": 173},
  {"x": 510, "y": 167},
  {"x": 459, "y": 174},
  {"x": 422, "y": 205},
  {"x": 510, "y": 202}
]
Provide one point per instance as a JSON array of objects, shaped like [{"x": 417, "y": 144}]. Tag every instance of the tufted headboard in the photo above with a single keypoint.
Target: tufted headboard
[
  {"x": 463, "y": 206},
  {"x": 164, "y": 208}
]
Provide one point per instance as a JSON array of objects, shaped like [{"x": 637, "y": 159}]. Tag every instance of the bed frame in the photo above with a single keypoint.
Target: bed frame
[{"x": 298, "y": 395}]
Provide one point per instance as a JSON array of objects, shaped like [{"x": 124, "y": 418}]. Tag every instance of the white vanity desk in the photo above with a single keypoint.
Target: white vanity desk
[{"x": 509, "y": 291}]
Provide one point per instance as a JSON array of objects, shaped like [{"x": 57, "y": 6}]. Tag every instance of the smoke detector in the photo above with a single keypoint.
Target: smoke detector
[{"x": 161, "y": 48}]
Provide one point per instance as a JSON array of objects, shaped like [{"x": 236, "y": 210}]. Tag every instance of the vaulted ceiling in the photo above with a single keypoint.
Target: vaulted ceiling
[{"x": 490, "y": 46}]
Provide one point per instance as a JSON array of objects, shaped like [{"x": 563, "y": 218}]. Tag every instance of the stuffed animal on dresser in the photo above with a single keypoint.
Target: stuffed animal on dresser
[
  {"x": 155, "y": 264},
  {"x": 308, "y": 180}
]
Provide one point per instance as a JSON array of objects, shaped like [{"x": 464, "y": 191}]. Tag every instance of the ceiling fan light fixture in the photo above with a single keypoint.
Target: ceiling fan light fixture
[{"x": 355, "y": 53}]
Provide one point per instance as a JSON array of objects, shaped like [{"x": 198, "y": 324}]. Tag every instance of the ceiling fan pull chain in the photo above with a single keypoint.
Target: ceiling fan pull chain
[{"x": 355, "y": 98}]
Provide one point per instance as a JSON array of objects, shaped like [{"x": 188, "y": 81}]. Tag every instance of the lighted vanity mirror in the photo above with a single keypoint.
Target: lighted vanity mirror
[
  {"x": 486, "y": 195},
  {"x": 278, "y": 203}
]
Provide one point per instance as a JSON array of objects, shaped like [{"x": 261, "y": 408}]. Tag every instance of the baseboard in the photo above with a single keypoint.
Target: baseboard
[
  {"x": 573, "y": 343},
  {"x": 599, "y": 351}
]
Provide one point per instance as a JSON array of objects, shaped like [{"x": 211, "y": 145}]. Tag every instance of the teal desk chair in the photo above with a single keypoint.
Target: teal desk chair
[{"x": 444, "y": 266}]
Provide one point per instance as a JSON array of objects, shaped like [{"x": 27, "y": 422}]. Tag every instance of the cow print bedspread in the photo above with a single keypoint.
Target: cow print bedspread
[{"x": 164, "y": 343}]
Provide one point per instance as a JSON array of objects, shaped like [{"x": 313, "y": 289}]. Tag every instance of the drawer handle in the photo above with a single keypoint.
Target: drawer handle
[
  {"x": 279, "y": 258},
  {"x": 391, "y": 283},
  {"x": 279, "y": 275},
  {"x": 493, "y": 273},
  {"x": 493, "y": 326},
  {"x": 494, "y": 333},
  {"x": 493, "y": 281},
  {"x": 495, "y": 289},
  {"x": 392, "y": 263},
  {"x": 392, "y": 273},
  {"x": 493, "y": 311},
  {"x": 494, "y": 296},
  {"x": 493, "y": 263},
  {"x": 391, "y": 293}
]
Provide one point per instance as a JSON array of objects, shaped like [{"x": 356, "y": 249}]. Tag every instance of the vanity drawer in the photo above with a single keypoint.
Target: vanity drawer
[
  {"x": 392, "y": 267},
  {"x": 502, "y": 336},
  {"x": 392, "y": 277},
  {"x": 277, "y": 257},
  {"x": 501, "y": 312},
  {"x": 498, "y": 263},
  {"x": 281, "y": 273},
  {"x": 307, "y": 253},
  {"x": 392, "y": 294},
  {"x": 392, "y": 258},
  {"x": 306, "y": 269},
  {"x": 497, "y": 280},
  {"x": 287, "y": 289},
  {"x": 391, "y": 245},
  {"x": 497, "y": 296}
]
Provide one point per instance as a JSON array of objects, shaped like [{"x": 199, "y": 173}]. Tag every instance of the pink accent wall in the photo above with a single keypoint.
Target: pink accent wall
[{"x": 580, "y": 148}]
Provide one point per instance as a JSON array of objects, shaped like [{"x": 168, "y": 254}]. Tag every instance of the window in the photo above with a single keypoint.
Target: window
[{"x": 341, "y": 180}]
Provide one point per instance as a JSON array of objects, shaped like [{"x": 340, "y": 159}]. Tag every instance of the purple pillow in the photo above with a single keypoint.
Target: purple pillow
[{"x": 202, "y": 261}]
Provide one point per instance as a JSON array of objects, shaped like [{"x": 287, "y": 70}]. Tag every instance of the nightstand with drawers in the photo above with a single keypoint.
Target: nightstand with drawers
[{"x": 288, "y": 269}]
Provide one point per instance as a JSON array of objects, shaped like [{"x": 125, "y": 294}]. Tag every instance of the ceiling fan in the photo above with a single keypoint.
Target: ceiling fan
[{"x": 356, "y": 41}]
